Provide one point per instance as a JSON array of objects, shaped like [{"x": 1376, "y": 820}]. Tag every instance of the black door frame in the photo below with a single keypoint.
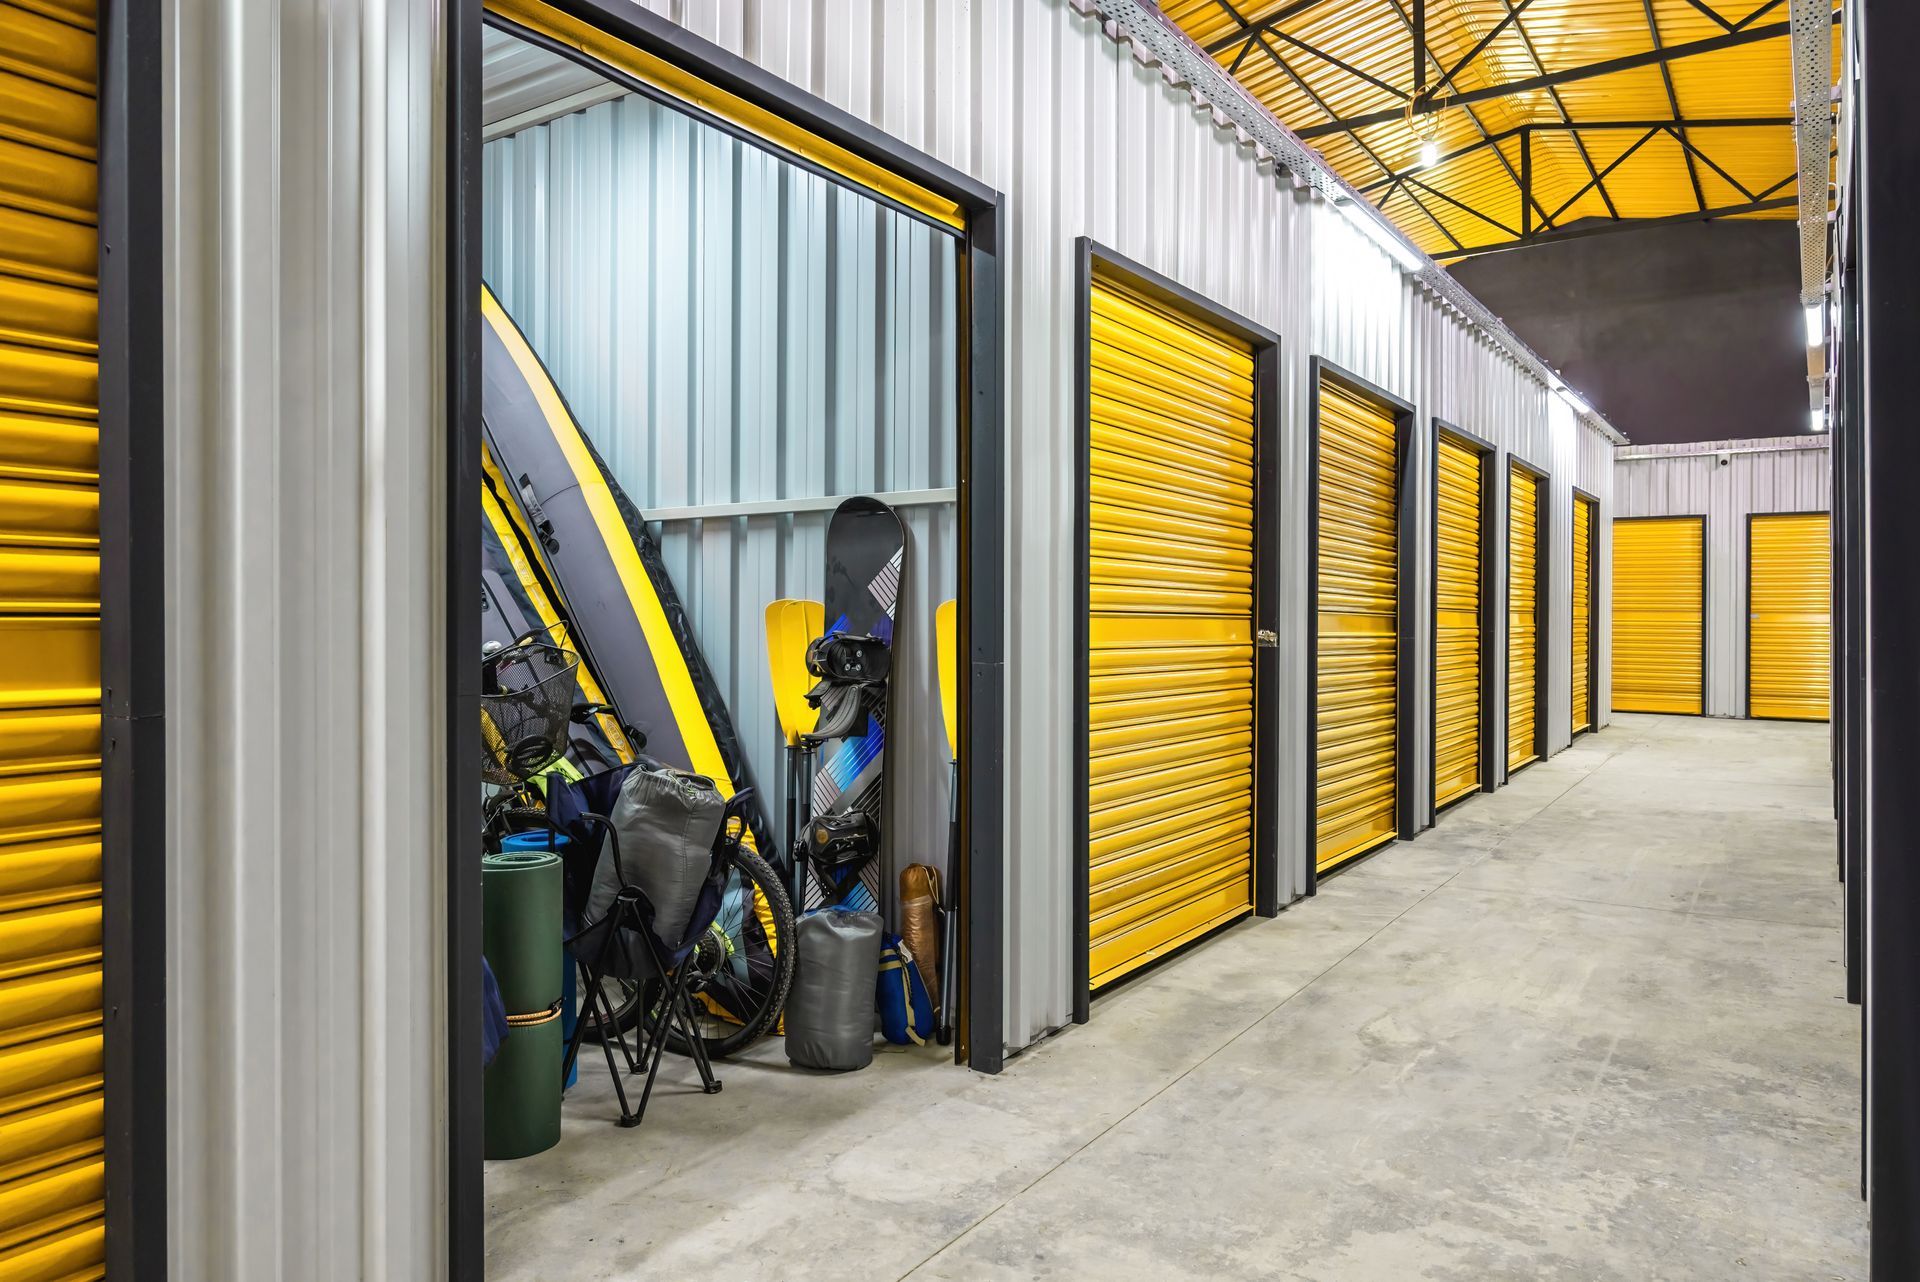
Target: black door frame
[
  {"x": 1088, "y": 254},
  {"x": 133, "y": 765},
  {"x": 1706, "y": 560},
  {"x": 980, "y": 1040},
  {"x": 1593, "y": 615},
  {"x": 1319, "y": 369},
  {"x": 1542, "y": 629},
  {"x": 1746, "y": 614},
  {"x": 1489, "y": 496}
]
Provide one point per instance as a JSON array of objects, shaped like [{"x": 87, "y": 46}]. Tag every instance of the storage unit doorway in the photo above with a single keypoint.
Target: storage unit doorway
[
  {"x": 1527, "y": 508},
  {"x": 1659, "y": 614},
  {"x": 1175, "y": 648},
  {"x": 1463, "y": 614},
  {"x": 1359, "y": 624},
  {"x": 1789, "y": 615},
  {"x": 1584, "y": 630}
]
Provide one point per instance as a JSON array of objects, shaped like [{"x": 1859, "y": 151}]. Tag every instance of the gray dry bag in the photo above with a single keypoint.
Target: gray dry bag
[
  {"x": 830, "y": 1010},
  {"x": 666, "y": 822}
]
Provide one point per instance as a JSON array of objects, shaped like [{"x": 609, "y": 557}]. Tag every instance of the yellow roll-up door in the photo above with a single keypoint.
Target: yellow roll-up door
[
  {"x": 1659, "y": 597},
  {"x": 1790, "y": 607},
  {"x": 1523, "y": 617},
  {"x": 1582, "y": 626},
  {"x": 1359, "y": 581},
  {"x": 1459, "y": 583},
  {"x": 52, "y": 1169},
  {"x": 1170, "y": 630}
]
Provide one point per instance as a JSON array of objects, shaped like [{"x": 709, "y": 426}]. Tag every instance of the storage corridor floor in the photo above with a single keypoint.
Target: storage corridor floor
[{"x": 1591, "y": 1027}]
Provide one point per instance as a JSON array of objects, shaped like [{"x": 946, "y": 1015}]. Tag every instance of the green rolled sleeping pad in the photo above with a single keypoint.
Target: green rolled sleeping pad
[{"x": 521, "y": 938}]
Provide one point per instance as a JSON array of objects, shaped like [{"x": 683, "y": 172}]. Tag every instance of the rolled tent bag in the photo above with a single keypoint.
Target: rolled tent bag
[
  {"x": 521, "y": 891},
  {"x": 666, "y": 822},
  {"x": 829, "y": 1014}
]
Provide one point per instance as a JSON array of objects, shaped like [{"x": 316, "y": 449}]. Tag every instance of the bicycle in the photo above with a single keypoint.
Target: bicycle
[{"x": 742, "y": 966}]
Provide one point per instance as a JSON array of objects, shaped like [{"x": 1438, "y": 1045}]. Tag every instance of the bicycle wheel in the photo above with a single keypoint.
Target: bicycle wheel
[
  {"x": 743, "y": 965},
  {"x": 623, "y": 996}
]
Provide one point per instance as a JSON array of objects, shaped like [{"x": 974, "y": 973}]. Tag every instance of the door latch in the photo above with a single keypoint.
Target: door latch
[{"x": 1266, "y": 638}]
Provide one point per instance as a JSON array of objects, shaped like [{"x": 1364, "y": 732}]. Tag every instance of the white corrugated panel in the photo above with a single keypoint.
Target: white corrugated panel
[
  {"x": 1768, "y": 474},
  {"x": 730, "y": 328},
  {"x": 1037, "y": 102},
  {"x": 306, "y": 608}
]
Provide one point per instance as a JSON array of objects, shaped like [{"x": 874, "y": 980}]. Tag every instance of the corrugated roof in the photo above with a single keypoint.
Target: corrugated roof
[{"x": 1698, "y": 123}]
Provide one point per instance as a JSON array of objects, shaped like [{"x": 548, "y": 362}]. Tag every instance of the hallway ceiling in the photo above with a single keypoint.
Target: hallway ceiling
[{"x": 1551, "y": 118}]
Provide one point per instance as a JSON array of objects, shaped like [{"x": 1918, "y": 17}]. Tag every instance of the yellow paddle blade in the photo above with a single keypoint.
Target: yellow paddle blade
[
  {"x": 791, "y": 626},
  {"x": 949, "y": 678}
]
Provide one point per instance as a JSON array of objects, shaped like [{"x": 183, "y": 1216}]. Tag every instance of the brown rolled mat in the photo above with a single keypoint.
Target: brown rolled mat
[{"x": 920, "y": 925}]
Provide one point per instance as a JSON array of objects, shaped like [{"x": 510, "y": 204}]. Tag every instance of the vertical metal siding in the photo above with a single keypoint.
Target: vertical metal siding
[
  {"x": 306, "y": 602},
  {"x": 1769, "y": 474},
  {"x": 730, "y": 328},
  {"x": 1035, "y": 101}
]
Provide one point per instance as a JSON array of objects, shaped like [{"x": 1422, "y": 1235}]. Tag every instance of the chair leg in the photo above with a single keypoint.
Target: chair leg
[{"x": 696, "y": 1044}]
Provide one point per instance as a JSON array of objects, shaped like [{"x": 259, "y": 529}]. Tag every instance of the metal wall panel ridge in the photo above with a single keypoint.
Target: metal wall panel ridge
[
  {"x": 52, "y": 1164},
  {"x": 306, "y": 680}
]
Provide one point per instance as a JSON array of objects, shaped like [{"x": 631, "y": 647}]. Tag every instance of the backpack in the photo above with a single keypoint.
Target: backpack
[{"x": 906, "y": 1012}]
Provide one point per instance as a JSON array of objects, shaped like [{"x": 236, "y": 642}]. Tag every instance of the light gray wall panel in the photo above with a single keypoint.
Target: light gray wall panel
[
  {"x": 730, "y": 328},
  {"x": 1768, "y": 474},
  {"x": 306, "y": 607}
]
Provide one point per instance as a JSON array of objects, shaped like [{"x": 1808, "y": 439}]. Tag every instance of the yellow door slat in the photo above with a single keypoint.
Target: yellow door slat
[
  {"x": 1790, "y": 608},
  {"x": 1523, "y": 627},
  {"x": 1458, "y": 584},
  {"x": 1582, "y": 641},
  {"x": 1170, "y": 598},
  {"x": 1358, "y": 566},
  {"x": 1659, "y": 593},
  {"x": 52, "y": 1172}
]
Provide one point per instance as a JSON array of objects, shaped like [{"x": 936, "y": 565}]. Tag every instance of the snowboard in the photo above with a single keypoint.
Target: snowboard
[{"x": 866, "y": 555}]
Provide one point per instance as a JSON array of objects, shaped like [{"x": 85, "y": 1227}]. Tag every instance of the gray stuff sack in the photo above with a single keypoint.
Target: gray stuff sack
[
  {"x": 829, "y": 1013},
  {"x": 666, "y": 821}
]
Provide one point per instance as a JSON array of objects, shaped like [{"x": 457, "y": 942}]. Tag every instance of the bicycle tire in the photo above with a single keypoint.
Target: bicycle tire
[{"x": 731, "y": 1033}]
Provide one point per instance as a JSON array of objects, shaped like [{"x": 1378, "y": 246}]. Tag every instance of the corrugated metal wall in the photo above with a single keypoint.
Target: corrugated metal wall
[
  {"x": 1036, "y": 101},
  {"x": 732, "y": 329},
  {"x": 306, "y": 610},
  {"x": 1770, "y": 474}
]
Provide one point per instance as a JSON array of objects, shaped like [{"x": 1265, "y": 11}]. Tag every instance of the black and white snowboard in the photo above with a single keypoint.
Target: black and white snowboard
[{"x": 866, "y": 553}]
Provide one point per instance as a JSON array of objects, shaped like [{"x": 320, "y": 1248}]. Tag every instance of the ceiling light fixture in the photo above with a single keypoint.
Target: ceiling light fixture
[
  {"x": 1429, "y": 153},
  {"x": 1816, "y": 326}
]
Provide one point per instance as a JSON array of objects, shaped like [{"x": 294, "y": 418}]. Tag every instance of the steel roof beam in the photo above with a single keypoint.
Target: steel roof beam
[
  {"x": 1220, "y": 44},
  {"x": 1393, "y": 91},
  {"x": 1725, "y": 22},
  {"x": 1673, "y": 100},
  {"x": 1512, "y": 16},
  {"x": 1606, "y": 67},
  {"x": 1625, "y": 224},
  {"x": 1580, "y": 126},
  {"x": 1560, "y": 105},
  {"x": 1601, "y": 177}
]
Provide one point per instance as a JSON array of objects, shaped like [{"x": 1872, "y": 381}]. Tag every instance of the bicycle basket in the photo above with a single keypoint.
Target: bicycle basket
[{"x": 524, "y": 719}]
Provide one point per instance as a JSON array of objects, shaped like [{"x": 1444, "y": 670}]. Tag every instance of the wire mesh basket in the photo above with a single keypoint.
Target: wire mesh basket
[{"x": 526, "y": 711}]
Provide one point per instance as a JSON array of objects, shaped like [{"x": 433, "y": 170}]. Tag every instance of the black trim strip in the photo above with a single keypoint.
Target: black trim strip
[
  {"x": 1319, "y": 369},
  {"x": 1266, "y": 377},
  {"x": 133, "y": 637}
]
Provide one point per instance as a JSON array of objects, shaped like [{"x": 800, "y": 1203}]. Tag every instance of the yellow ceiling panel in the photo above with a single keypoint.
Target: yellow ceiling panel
[{"x": 1342, "y": 73}]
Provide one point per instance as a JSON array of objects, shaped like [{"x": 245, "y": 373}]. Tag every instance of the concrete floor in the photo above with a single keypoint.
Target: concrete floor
[{"x": 1590, "y": 1027}]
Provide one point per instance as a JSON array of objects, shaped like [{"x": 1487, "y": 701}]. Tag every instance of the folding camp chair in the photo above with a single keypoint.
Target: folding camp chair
[{"x": 659, "y": 964}]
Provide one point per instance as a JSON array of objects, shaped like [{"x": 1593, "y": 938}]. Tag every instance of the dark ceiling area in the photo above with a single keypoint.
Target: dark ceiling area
[{"x": 1686, "y": 332}]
